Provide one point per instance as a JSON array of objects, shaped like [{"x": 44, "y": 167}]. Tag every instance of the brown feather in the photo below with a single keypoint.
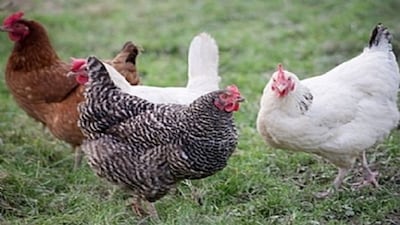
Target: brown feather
[{"x": 36, "y": 77}]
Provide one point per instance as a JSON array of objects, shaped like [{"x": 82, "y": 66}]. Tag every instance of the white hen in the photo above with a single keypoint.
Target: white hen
[
  {"x": 202, "y": 76},
  {"x": 337, "y": 115}
]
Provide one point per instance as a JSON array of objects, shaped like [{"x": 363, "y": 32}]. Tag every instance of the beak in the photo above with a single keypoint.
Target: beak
[
  {"x": 281, "y": 87},
  {"x": 5, "y": 29},
  {"x": 240, "y": 99},
  {"x": 71, "y": 74}
]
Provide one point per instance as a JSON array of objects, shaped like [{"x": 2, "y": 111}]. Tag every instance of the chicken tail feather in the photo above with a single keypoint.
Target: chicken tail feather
[
  {"x": 132, "y": 51},
  {"x": 380, "y": 37},
  {"x": 98, "y": 72},
  {"x": 203, "y": 60}
]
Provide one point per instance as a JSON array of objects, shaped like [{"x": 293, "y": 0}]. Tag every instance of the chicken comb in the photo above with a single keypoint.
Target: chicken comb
[
  {"x": 77, "y": 64},
  {"x": 12, "y": 18},
  {"x": 233, "y": 88},
  {"x": 280, "y": 71}
]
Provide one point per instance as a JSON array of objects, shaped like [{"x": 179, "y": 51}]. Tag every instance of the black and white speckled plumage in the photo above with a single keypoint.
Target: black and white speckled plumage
[{"x": 148, "y": 147}]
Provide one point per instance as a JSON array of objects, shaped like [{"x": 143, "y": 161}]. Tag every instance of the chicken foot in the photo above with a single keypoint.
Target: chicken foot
[
  {"x": 137, "y": 207},
  {"x": 141, "y": 211},
  {"x": 152, "y": 211},
  {"x": 370, "y": 177},
  {"x": 342, "y": 172},
  {"x": 196, "y": 194}
]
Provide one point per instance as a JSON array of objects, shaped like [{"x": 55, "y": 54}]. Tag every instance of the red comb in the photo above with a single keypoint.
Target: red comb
[
  {"x": 280, "y": 71},
  {"x": 77, "y": 64},
  {"x": 12, "y": 18},
  {"x": 233, "y": 88}
]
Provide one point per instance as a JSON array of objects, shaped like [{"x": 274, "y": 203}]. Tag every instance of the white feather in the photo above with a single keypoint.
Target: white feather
[
  {"x": 202, "y": 76},
  {"x": 354, "y": 107}
]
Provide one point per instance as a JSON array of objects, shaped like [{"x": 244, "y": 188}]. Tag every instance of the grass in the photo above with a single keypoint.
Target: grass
[{"x": 260, "y": 185}]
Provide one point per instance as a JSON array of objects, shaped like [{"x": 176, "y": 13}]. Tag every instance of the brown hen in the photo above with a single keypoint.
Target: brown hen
[{"x": 36, "y": 77}]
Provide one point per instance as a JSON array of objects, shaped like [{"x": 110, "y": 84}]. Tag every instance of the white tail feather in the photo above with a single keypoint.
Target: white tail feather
[
  {"x": 203, "y": 60},
  {"x": 117, "y": 78}
]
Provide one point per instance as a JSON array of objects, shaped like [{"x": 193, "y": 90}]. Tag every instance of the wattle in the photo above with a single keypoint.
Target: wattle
[{"x": 82, "y": 79}]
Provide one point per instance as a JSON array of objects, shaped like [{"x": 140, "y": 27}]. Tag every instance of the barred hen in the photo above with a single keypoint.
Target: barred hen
[{"x": 147, "y": 148}]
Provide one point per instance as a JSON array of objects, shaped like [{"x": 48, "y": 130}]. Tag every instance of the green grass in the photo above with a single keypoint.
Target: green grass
[{"x": 260, "y": 185}]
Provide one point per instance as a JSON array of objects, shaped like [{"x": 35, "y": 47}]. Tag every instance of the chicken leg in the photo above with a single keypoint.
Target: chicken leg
[
  {"x": 370, "y": 177},
  {"x": 152, "y": 211},
  {"x": 140, "y": 211},
  {"x": 137, "y": 206},
  {"x": 78, "y": 157},
  {"x": 336, "y": 184},
  {"x": 196, "y": 194}
]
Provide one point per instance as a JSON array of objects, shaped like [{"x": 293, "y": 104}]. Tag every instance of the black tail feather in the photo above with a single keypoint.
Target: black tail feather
[
  {"x": 378, "y": 33},
  {"x": 95, "y": 67},
  {"x": 105, "y": 105},
  {"x": 98, "y": 73}
]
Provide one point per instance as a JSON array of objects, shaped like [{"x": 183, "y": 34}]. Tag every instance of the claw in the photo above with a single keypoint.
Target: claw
[
  {"x": 325, "y": 194},
  {"x": 142, "y": 212},
  {"x": 137, "y": 207},
  {"x": 370, "y": 177},
  {"x": 336, "y": 184}
]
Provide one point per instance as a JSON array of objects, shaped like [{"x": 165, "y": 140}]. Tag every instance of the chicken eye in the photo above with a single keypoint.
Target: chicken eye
[
  {"x": 18, "y": 25},
  {"x": 224, "y": 96},
  {"x": 289, "y": 79}
]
